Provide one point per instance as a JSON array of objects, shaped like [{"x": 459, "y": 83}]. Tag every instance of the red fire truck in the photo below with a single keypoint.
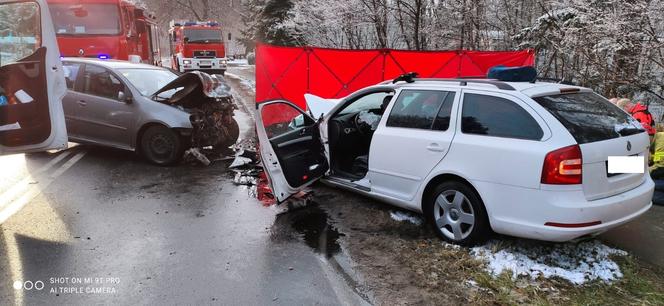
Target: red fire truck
[
  {"x": 196, "y": 45},
  {"x": 105, "y": 29}
]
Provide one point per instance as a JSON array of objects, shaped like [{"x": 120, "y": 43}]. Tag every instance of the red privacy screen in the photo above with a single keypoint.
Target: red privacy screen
[{"x": 288, "y": 73}]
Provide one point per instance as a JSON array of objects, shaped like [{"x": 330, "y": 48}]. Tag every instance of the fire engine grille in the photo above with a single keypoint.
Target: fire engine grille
[{"x": 205, "y": 54}]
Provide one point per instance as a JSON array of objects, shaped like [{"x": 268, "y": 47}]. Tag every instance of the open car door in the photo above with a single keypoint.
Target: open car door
[
  {"x": 290, "y": 148},
  {"x": 31, "y": 79}
]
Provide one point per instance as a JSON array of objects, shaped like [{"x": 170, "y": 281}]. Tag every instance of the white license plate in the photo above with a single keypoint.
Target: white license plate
[
  {"x": 626, "y": 164},
  {"x": 206, "y": 63}
]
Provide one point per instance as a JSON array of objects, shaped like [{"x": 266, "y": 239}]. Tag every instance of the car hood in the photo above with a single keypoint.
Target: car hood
[
  {"x": 194, "y": 89},
  {"x": 318, "y": 106}
]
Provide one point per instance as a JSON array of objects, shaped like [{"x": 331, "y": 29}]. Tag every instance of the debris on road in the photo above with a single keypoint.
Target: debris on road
[
  {"x": 577, "y": 263},
  {"x": 198, "y": 155}
]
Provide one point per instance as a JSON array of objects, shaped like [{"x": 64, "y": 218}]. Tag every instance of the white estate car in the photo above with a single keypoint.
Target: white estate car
[{"x": 522, "y": 159}]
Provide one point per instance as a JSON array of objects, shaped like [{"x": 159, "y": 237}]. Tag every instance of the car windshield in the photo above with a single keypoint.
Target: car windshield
[
  {"x": 202, "y": 36},
  {"x": 148, "y": 81},
  {"x": 85, "y": 19},
  {"x": 589, "y": 117}
]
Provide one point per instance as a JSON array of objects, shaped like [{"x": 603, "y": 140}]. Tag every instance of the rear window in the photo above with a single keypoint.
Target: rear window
[{"x": 590, "y": 117}]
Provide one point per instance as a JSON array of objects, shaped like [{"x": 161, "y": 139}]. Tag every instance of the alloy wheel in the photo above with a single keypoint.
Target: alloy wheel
[{"x": 454, "y": 215}]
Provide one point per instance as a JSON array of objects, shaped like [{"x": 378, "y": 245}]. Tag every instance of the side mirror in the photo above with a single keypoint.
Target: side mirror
[
  {"x": 186, "y": 39},
  {"x": 122, "y": 97}
]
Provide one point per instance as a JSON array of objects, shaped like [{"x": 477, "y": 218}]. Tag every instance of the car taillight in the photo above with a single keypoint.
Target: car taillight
[{"x": 563, "y": 167}]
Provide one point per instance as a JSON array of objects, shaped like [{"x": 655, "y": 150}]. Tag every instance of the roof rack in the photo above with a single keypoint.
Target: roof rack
[
  {"x": 412, "y": 77},
  {"x": 464, "y": 82}
]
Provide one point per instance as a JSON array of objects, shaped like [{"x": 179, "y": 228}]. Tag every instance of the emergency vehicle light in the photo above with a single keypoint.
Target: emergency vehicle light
[{"x": 103, "y": 56}]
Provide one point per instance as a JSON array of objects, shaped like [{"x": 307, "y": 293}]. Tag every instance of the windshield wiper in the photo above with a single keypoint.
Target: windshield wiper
[
  {"x": 205, "y": 41},
  {"x": 627, "y": 131}
]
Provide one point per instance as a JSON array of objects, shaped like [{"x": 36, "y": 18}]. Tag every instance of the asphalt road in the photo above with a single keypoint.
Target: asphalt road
[{"x": 92, "y": 225}]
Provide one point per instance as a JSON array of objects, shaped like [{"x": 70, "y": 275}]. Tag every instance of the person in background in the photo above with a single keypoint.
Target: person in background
[
  {"x": 641, "y": 114},
  {"x": 613, "y": 100}
]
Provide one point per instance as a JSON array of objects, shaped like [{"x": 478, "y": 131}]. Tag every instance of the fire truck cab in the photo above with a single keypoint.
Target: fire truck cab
[
  {"x": 105, "y": 29},
  {"x": 197, "y": 46}
]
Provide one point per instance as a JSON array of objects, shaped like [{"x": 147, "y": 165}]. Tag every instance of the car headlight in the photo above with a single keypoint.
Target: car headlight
[
  {"x": 186, "y": 62},
  {"x": 223, "y": 62}
]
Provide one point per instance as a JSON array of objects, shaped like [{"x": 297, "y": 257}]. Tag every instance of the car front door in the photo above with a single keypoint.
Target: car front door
[
  {"x": 415, "y": 137},
  {"x": 31, "y": 80},
  {"x": 102, "y": 116},
  {"x": 290, "y": 147}
]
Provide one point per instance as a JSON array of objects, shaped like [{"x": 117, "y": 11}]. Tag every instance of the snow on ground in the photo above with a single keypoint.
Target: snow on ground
[
  {"x": 402, "y": 216},
  {"x": 577, "y": 263},
  {"x": 248, "y": 84},
  {"x": 239, "y": 62}
]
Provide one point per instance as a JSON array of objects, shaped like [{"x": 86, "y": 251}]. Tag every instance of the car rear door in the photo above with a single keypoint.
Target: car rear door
[
  {"x": 31, "y": 78},
  {"x": 602, "y": 130},
  {"x": 290, "y": 147}
]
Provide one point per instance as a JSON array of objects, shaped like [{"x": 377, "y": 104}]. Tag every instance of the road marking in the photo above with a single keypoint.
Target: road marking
[
  {"x": 9, "y": 209},
  {"x": 17, "y": 189}
]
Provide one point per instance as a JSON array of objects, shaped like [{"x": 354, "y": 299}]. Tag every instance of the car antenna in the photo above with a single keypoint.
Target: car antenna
[{"x": 408, "y": 78}]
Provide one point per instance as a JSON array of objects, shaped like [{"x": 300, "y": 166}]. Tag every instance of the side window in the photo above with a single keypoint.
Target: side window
[
  {"x": 20, "y": 31},
  {"x": 98, "y": 81},
  {"x": 418, "y": 109},
  {"x": 281, "y": 118},
  {"x": 372, "y": 101},
  {"x": 494, "y": 116},
  {"x": 71, "y": 71}
]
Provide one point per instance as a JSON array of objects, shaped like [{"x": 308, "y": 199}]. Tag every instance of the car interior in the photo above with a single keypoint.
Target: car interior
[
  {"x": 23, "y": 84},
  {"x": 351, "y": 131}
]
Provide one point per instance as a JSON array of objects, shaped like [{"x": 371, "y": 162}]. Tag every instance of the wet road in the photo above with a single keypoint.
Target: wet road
[{"x": 93, "y": 225}]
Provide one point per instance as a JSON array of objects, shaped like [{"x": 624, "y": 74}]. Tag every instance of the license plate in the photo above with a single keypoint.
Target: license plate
[
  {"x": 206, "y": 63},
  {"x": 626, "y": 164}
]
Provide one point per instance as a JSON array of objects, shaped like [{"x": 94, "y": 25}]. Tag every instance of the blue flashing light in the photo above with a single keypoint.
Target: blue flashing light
[
  {"x": 103, "y": 56},
  {"x": 513, "y": 74}
]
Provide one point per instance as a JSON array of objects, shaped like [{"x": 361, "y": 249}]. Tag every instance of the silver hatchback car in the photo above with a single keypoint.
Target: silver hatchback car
[{"x": 143, "y": 108}]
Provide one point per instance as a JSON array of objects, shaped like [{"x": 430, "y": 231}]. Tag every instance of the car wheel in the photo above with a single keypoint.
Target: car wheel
[
  {"x": 161, "y": 145},
  {"x": 457, "y": 214}
]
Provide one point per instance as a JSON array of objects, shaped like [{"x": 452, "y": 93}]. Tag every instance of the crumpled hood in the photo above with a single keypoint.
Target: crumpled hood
[
  {"x": 195, "y": 89},
  {"x": 318, "y": 106}
]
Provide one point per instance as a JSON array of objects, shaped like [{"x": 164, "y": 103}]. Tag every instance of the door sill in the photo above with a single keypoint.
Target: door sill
[{"x": 341, "y": 181}]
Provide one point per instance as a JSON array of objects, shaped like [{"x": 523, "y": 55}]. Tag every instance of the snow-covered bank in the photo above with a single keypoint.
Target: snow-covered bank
[
  {"x": 405, "y": 217},
  {"x": 577, "y": 263}
]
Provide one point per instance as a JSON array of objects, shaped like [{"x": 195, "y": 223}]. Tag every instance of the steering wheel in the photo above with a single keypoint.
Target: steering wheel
[{"x": 362, "y": 127}]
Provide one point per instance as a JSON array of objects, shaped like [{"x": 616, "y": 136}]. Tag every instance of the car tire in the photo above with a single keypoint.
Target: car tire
[
  {"x": 457, "y": 214},
  {"x": 161, "y": 146}
]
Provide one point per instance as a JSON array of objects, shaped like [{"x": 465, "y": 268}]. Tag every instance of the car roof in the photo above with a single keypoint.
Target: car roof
[
  {"x": 110, "y": 64},
  {"x": 529, "y": 89}
]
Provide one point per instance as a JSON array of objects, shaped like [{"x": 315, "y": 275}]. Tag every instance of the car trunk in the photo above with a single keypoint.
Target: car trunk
[
  {"x": 602, "y": 130},
  {"x": 597, "y": 182}
]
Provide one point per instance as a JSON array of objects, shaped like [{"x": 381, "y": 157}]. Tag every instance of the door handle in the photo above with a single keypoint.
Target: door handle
[
  {"x": 434, "y": 147},
  {"x": 82, "y": 103}
]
